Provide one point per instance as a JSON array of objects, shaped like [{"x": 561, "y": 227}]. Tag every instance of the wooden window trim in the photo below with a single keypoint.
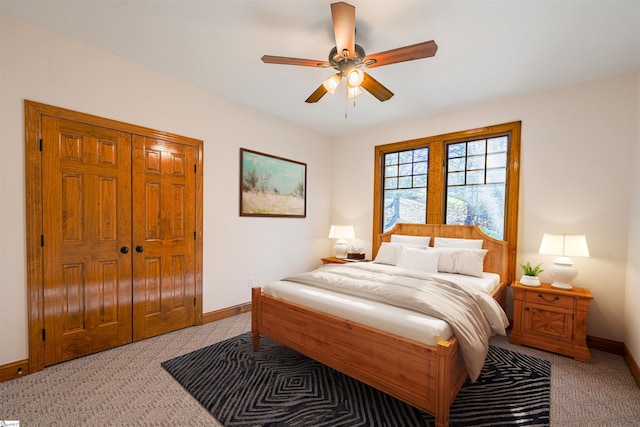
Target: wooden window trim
[{"x": 436, "y": 190}]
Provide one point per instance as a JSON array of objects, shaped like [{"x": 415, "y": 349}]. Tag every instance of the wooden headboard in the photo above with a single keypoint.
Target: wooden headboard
[{"x": 496, "y": 260}]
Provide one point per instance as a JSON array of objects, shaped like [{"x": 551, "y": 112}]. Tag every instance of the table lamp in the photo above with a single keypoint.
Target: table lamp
[
  {"x": 563, "y": 246},
  {"x": 341, "y": 232}
]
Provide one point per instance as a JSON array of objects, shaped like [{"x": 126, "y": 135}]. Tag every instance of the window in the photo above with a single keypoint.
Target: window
[
  {"x": 467, "y": 177},
  {"x": 476, "y": 183},
  {"x": 405, "y": 187}
]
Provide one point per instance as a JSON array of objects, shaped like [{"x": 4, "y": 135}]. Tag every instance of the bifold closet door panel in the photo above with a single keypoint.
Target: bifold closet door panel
[
  {"x": 86, "y": 193},
  {"x": 164, "y": 231}
]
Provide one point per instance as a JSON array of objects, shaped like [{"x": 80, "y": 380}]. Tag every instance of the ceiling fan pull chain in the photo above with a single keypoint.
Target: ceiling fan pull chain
[{"x": 346, "y": 105}]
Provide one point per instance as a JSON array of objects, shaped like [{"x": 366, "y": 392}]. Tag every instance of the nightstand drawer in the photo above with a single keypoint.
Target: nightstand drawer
[{"x": 549, "y": 299}]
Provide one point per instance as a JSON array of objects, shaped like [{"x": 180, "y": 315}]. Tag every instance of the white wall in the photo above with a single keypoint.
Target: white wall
[
  {"x": 43, "y": 66},
  {"x": 632, "y": 295},
  {"x": 576, "y": 177}
]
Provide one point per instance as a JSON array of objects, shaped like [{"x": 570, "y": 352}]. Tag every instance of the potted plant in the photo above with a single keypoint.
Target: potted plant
[{"x": 530, "y": 276}]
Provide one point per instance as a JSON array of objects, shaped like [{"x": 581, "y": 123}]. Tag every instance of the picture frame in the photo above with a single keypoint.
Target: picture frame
[{"x": 272, "y": 186}]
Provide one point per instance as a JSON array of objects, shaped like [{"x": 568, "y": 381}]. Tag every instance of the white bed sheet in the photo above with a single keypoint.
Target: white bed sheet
[{"x": 395, "y": 320}]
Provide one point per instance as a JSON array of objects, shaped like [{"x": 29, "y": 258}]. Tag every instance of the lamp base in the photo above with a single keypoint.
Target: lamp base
[
  {"x": 558, "y": 285},
  {"x": 340, "y": 248},
  {"x": 562, "y": 272}
]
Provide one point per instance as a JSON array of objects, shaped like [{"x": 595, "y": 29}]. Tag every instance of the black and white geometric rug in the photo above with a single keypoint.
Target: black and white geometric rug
[{"x": 277, "y": 386}]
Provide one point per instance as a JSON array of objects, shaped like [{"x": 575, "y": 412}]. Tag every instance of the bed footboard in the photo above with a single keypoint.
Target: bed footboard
[{"x": 427, "y": 377}]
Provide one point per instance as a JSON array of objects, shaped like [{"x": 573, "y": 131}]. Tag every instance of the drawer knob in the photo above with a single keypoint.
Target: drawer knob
[{"x": 556, "y": 298}]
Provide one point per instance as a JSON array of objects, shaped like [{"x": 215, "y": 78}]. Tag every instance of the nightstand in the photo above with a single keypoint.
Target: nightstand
[
  {"x": 333, "y": 260},
  {"x": 551, "y": 319}
]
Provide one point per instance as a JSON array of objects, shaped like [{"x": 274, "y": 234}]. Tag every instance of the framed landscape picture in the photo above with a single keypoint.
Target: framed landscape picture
[{"x": 272, "y": 186}]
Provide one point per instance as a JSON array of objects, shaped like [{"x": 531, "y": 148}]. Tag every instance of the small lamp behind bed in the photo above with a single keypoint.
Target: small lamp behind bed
[
  {"x": 562, "y": 270},
  {"x": 341, "y": 232}
]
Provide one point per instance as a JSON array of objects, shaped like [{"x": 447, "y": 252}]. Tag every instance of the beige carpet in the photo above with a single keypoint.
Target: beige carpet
[{"x": 127, "y": 386}]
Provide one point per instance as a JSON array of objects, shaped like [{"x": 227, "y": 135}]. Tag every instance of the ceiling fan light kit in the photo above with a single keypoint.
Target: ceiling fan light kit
[
  {"x": 355, "y": 77},
  {"x": 353, "y": 91},
  {"x": 331, "y": 84},
  {"x": 348, "y": 58}
]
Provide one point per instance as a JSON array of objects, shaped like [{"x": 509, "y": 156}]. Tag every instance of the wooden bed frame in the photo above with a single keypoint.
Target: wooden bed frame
[{"x": 427, "y": 377}]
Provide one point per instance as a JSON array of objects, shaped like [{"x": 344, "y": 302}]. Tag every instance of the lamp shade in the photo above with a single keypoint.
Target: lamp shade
[
  {"x": 565, "y": 245},
  {"x": 353, "y": 91},
  {"x": 355, "y": 77},
  {"x": 332, "y": 83},
  {"x": 576, "y": 245},
  {"x": 342, "y": 232}
]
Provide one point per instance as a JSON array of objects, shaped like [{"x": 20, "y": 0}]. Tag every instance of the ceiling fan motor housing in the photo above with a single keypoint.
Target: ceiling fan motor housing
[{"x": 343, "y": 63}]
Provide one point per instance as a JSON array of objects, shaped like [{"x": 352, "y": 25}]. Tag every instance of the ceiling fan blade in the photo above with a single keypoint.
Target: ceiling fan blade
[
  {"x": 401, "y": 54},
  {"x": 268, "y": 59},
  {"x": 344, "y": 27},
  {"x": 376, "y": 89},
  {"x": 315, "y": 96}
]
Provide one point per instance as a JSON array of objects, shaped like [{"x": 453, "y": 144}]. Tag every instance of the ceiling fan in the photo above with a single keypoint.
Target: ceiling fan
[{"x": 348, "y": 58}]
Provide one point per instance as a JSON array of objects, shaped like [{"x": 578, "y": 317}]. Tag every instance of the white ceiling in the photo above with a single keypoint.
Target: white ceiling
[{"x": 488, "y": 49}]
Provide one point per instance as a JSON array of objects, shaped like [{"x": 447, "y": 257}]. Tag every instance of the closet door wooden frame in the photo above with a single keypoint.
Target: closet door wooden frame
[{"x": 34, "y": 113}]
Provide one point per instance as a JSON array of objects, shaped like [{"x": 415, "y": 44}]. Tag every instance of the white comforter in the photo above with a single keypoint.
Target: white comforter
[{"x": 473, "y": 314}]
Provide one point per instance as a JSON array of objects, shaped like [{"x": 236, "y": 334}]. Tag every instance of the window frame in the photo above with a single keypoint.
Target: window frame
[{"x": 436, "y": 179}]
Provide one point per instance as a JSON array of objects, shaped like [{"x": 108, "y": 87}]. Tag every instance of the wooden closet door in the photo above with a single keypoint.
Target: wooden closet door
[
  {"x": 163, "y": 236},
  {"x": 86, "y": 184}
]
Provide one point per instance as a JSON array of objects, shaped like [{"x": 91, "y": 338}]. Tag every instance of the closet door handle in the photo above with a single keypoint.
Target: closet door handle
[
  {"x": 139, "y": 249},
  {"x": 124, "y": 250}
]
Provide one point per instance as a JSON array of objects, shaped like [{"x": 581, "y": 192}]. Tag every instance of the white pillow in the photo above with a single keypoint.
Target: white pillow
[
  {"x": 389, "y": 253},
  {"x": 412, "y": 240},
  {"x": 419, "y": 259},
  {"x": 461, "y": 260},
  {"x": 450, "y": 242}
]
